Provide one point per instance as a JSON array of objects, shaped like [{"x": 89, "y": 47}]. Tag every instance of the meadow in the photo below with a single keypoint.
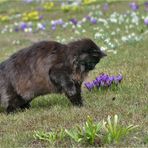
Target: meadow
[{"x": 120, "y": 28}]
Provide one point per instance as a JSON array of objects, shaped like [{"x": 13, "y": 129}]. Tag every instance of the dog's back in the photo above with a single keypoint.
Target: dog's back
[{"x": 25, "y": 73}]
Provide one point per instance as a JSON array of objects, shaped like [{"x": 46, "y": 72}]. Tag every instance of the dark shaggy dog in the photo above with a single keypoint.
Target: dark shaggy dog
[{"x": 46, "y": 67}]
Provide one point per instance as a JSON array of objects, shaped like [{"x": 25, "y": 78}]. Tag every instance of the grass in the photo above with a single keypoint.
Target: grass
[{"x": 55, "y": 111}]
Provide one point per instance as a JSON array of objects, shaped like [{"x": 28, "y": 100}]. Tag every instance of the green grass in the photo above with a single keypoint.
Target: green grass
[{"x": 55, "y": 111}]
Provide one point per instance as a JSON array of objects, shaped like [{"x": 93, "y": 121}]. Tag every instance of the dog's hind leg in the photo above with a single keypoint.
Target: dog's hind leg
[
  {"x": 17, "y": 103},
  {"x": 11, "y": 101}
]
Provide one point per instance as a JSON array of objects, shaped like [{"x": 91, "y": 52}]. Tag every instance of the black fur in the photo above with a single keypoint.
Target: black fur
[{"x": 47, "y": 67}]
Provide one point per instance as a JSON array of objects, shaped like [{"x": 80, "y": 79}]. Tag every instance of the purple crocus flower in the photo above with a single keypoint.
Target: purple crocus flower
[
  {"x": 98, "y": 79},
  {"x": 146, "y": 5},
  {"x": 93, "y": 20},
  {"x": 59, "y": 22},
  {"x": 88, "y": 17},
  {"x": 96, "y": 83},
  {"x": 111, "y": 78},
  {"x": 74, "y": 21},
  {"x": 41, "y": 17},
  {"x": 23, "y": 26},
  {"x": 105, "y": 6},
  {"x": 89, "y": 85},
  {"x": 28, "y": 1},
  {"x": 118, "y": 79},
  {"x": 108, "y": 82},
  {"x": 16, "y": 29},
  {"x": 133, "y": 6},
  {"x": 102, "y": 83},
  {"x": 53, "y": 27},
  {"x": 104, "y": 77},
  {"x": 146, "y": 21},
  {"x": 41, "y": 26}
]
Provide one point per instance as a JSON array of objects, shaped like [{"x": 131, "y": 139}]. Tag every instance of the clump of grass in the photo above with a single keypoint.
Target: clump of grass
[
  {"x": 90, "y": 133},
  {"x": 51, "y": 136},
  {"x": 145, "y": 139},
  {"x": 114, "y": 132}
]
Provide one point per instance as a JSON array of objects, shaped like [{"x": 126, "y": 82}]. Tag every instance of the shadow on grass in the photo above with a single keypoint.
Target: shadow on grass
[{"x": 48, "y": 101}]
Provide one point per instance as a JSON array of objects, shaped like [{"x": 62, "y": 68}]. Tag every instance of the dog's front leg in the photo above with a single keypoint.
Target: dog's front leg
[{"x": 71, "y": 88}]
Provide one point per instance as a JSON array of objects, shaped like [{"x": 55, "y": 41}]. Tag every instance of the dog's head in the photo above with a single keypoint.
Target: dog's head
[{"x": 86, "y": 55}]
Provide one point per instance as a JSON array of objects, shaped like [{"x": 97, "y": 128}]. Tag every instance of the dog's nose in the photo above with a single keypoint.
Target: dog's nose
[{"x": 103, "y": 54}]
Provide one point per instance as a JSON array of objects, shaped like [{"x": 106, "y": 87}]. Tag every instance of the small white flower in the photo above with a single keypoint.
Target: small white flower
[
  {"x": 113, "y": 33},
  {"x": 73, "y": 26},
  {"x": 84, "y": 20},
  {"x": 83, "y": 30},
  {"x": 124, "y": 38},
  {"x": 10, "y": 30},
  {"x": 107, "y": 40},
  {"x": 79, "y": 25},
  {"x": 57, "y": 37},
  {"x": 133, "y": 34},
  {"x": 118, "y": 29},
  {"x": 28, "y": 29},
  {"x": 65, "y": 25},
  {"x": 114, "y": 52},
  {"x": 98, "y": 35},
  {"x": 77, "y": 32},
  {"x": 63, "y": 40},
  {"x": 103, "y": 48},
  {"x": 16, "y": 24}
]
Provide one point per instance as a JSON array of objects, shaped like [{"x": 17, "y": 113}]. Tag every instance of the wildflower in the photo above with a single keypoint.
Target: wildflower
[
  {"x": 146, "y": 5},
  {"x": 105, "y": 6},
  {"x": 88, "y": 18},
  {"x": 41, "y": 17},
  {"x": 133, "y": 6},
  {"x": 96, "y": 82},
  {"x": 59, "y": 22},
  {"x": 83, "y": 31},
  {"x": 103, "y": 81},
  {"x": 65, "y": 8},
  {"x": 86, "y": 2},
  {"x": 98, "y": 79},
  {"x": 146, "y": 21},
  {"x": 28, "y": 1},
  {"x": 103, "y": 48},
  {"x": 41, "y": 26},
  {"x": 89, "y": 85},
  {"x": 74, "y": 21},
  {"x": 65, "y": 25},
  {"x": 53, "y": 27},
  {"x": 98, "y": 35},
  {"x": 23, "y": 26},
  {"x": 31, "y": 16},
  {"x": 16, "y": 29},
  {"x": 93, "y": 20},
  {"x": 28, "y": 29},
  {"x": 4, "y": 18},
  {"x": 118, "y": 79},
  {"x": 48, "y": 5}
]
